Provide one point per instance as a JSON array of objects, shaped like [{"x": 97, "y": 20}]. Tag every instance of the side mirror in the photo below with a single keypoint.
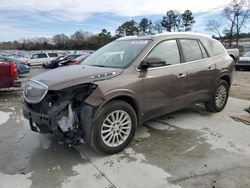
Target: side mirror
[{"x": 153, "y": 62}]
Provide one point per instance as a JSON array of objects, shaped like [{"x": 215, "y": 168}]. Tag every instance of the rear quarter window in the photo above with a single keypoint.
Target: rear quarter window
[{"x": 215, "y": 47}]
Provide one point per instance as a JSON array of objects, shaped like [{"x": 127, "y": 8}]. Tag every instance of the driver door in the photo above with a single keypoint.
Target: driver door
[{"x": 165, "y": 86}]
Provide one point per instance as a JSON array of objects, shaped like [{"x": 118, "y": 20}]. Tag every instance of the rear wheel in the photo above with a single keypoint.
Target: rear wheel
[
  {"x": 114, "y": 127},
  {"x": 219, "y": 98}
]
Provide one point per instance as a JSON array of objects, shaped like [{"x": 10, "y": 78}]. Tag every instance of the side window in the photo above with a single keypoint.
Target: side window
[
  {"x": 203, "y": 51},
  {"x": 52, "y": 54},
  {"x": 191, "y": 50},
  {"x": 41, "y": 56},
  {"x": 167, "y": 51},
  {"x": 34, "y": 56}
]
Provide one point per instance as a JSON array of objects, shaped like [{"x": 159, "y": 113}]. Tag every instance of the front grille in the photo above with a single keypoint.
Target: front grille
[
  {"x": 244, "y": 62},
  {"x": 49, "y": 100}
]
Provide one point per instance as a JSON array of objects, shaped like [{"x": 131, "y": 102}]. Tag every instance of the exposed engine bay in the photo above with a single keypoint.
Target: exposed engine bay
[{"x": 63, "y": 113}]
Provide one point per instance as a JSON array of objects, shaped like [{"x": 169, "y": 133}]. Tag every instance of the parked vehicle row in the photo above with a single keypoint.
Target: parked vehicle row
[
  {"x": 65, "y": 61},
  {"x": 22, "y": 66},
  {"x": 55, "y": 63},
  {"x": 103, "y": 100}
]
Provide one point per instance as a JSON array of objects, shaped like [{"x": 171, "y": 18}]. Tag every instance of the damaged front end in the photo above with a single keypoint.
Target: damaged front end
[{"x": 63, "y": 113}]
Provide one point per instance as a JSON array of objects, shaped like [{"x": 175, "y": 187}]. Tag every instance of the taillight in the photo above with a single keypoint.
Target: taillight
[
  {"x": 13, "y": 70},
  {"x": 24, "y": 63}
]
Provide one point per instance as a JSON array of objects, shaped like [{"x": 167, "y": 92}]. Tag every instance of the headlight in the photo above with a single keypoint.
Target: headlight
[{"x": 34, "y": 91}]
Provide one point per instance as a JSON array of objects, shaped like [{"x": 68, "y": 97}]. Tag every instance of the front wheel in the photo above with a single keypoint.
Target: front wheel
[
  {"x": 114, "y": 127},
  {"x": 219, "y": 97}
]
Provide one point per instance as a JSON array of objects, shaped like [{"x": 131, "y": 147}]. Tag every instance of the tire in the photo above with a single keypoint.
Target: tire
[
  {"x": 211, "y": 104},
  {"x": 107, "y": 127}
]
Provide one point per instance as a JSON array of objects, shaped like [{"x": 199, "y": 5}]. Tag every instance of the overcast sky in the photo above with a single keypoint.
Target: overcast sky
[{"x": 36, "y": 18}]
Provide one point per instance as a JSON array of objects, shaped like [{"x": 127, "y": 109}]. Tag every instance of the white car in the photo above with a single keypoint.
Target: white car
[
  {"x": 243, "y": 62},
  {"x": 40, "y": 58}
]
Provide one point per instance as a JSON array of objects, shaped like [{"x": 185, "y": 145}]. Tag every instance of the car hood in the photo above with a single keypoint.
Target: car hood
[{"x": 64, "y": 77}]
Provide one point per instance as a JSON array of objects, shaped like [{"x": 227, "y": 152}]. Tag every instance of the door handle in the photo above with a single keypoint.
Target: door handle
[{"x": 181, "y": 75}]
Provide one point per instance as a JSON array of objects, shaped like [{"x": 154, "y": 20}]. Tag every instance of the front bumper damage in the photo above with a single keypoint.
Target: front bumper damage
[{"x": 64, "y": 114}]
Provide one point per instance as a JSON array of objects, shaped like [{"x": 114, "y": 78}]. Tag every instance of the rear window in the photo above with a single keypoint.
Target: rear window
[
  {"x": 191, "y": 50},
  {"x": 52, "y": 54}
]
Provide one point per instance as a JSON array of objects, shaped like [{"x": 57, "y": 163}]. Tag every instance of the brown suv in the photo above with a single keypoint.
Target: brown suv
[{"x": 125, "y": 83}]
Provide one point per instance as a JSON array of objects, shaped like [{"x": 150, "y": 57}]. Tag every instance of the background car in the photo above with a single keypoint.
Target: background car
[
  {"x": 75, "y": 61},
  {"x": 55, "y": 63},
  {"x": 40, "y": 58},
  {"x": 234, "y": 53},
  {"x": 22, "y": 66},
  {"x": 243, "y": 62},
  {"x": 8, "y": 75}
]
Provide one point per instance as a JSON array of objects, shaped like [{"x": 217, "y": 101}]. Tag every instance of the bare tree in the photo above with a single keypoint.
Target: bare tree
[
  {"x": 214, "y": 26},
  {"x": 237, "y": 12}
]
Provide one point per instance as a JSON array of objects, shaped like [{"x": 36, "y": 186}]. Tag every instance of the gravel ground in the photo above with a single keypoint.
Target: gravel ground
[
  {"x": 191, "y": 148},
  {"x": 241, "y": 85}
]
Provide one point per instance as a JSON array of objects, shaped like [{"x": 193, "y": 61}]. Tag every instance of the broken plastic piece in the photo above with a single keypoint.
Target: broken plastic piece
[{"x": 66, "y": 122}]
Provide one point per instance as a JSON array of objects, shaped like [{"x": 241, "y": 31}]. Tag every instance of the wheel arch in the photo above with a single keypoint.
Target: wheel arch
[
  {"x": 131, "y": 100},
  {"x": 232, "y": 56},
  {"x": 227, "y": 78}
]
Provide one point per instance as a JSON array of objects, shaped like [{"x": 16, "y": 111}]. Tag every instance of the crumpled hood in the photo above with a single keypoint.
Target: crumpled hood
[{"x": 64, "y": 77}]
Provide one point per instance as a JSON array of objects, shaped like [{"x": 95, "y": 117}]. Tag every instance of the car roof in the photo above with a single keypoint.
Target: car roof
[{"x": 167, "y": 35}]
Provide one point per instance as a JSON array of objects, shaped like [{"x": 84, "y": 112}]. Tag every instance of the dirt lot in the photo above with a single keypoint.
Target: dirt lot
[
  {"x": 241, "y": 85},
  {"x": 191, "y": 148}
]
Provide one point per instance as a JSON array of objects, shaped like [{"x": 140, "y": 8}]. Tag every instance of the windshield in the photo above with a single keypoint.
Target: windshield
[
  {"x": 117, "y": 54},
  {"x": 247, "y": 54},
  {"x": 71, "y": 57}
]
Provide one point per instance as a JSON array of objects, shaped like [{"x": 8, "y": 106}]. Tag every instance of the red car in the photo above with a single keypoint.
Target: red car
[
  {"x": 75, "y": 61},
  {"x": 9, "y": 75}
]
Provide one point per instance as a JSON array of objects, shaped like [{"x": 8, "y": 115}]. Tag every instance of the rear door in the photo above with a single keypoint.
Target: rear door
[
  {"x": 201, "y": 70},
  {"x": 165, "y": 87}
]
